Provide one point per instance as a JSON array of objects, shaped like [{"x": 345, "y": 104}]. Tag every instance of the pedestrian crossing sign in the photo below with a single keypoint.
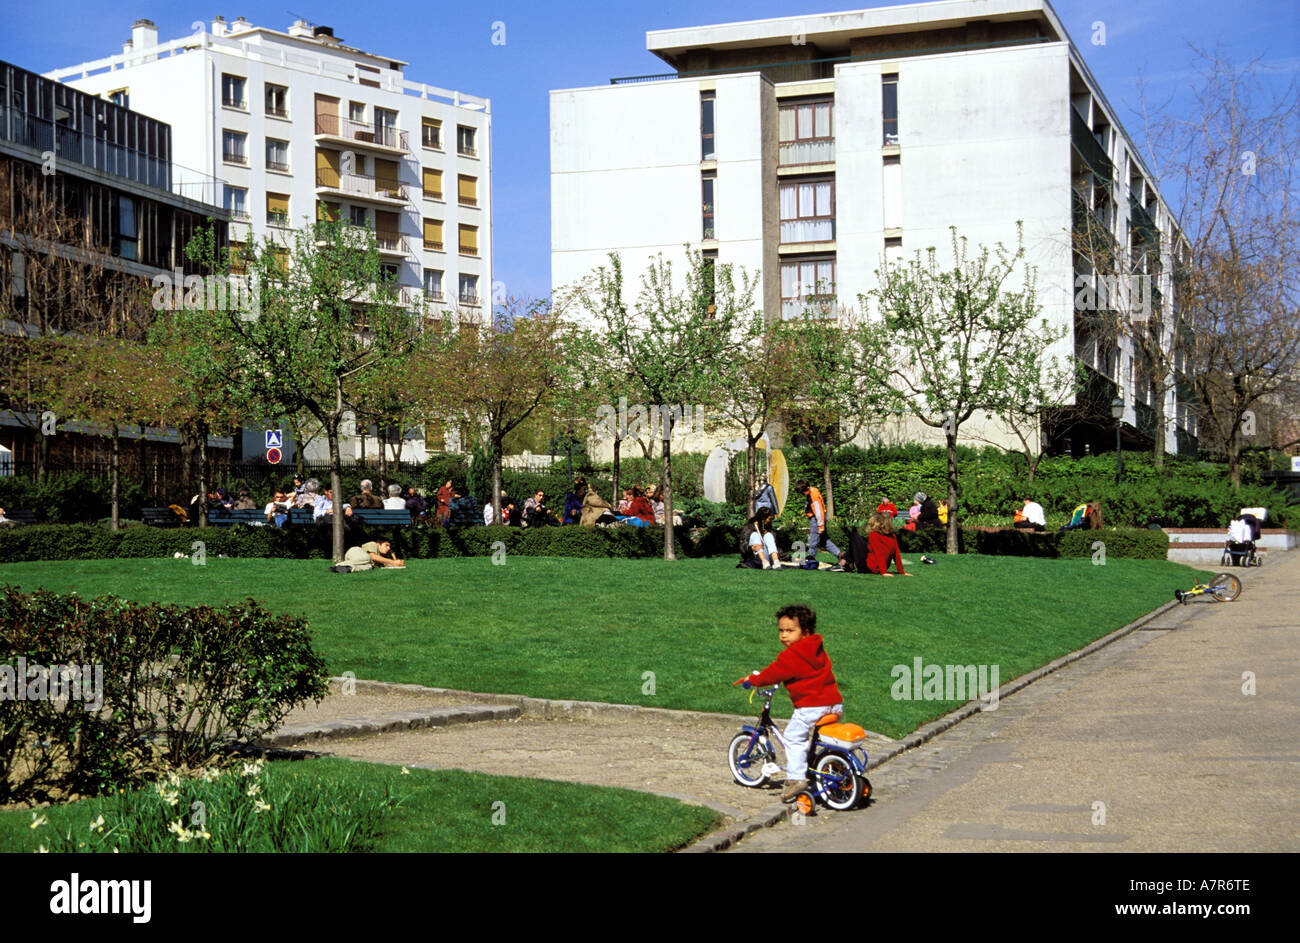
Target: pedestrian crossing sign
[{"x": 274, "y": 439}]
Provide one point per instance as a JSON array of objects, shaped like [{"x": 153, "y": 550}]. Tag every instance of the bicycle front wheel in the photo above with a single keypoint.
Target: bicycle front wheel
[
  {"x": 746, "y": 762},
  {"x": 1225, "y": 587}
]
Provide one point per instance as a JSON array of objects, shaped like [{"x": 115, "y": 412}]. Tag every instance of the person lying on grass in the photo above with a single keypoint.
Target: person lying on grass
[
  {"x": 805, "y": 670},
  {"x": 370, "y": 555}
]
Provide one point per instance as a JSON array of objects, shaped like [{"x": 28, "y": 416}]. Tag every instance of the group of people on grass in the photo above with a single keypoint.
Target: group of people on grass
[{"x": 870, "y": 554}]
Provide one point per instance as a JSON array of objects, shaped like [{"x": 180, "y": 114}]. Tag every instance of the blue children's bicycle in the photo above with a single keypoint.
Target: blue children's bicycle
[{"x": 837, "y": 759}]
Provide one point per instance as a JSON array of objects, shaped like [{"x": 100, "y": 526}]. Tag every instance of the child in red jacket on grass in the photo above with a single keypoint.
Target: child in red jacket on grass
[{"x": 805, "y": 669}]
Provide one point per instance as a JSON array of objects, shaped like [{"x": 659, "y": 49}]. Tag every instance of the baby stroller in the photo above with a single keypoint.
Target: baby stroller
[{"x": 1239, "y": 550}]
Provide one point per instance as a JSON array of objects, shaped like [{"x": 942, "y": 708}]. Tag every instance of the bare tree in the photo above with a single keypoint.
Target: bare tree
[{"x": 1230, "y": 164}]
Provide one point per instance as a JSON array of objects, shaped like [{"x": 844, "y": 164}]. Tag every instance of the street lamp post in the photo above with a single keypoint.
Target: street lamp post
[{"x": 1117, "y": 410}]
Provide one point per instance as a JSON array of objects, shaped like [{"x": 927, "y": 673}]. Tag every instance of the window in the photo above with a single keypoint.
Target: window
[
  {"x": 120, "y": 96},
  {"x": 232, "y": 92},
  {"x": 469, "y": 289},
  {"x": 127, "y": 235},
  {"x": 277, "y": 101},
  {"x": 358, "y": 216},
  {"x": 386, "y": 127},
  {"x": 238, "y": 262},
  {"x": 467, "y": 190},
  {"x": 237, "y": 202},
  {"x": 806, "y": 133},
  {"x": 808, "y": 211},
  {"x": 234, "y": 147},
  {"x": 466, "y": 141},
  {"x": 431, "y": 133},
  {"x": 277, "y": 209},
  {"x": 468, "y": 240},
  {"x": 889, "y": 107},
  {"x": 707, "y": 107},
  {"x": 357, "y": 112},
  {"x": 710, "y": 181},
  {"x": 433, "y": 235},
  {"x": 709, "y": 265},
  {"x": 432, "y": 184},
  {"x": 807, "y": 284},
  {"x": 277, "y": 155},
  {"x": 433, "y": 283}
]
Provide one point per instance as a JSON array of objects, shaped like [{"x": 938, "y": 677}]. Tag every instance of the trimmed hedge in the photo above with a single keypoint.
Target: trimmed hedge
[
  {"x": 90, "y": 542},
  {"x": 164, "y": 687}
]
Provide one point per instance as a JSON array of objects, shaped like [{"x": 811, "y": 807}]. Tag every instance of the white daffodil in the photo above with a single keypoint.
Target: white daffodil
[
  {"x": 254, "y": 789},
  {"x": 97, "y": 825},
  {"x": 405, "y": 771},
  {"x": 42, "y": 850},
  {"x": 38, "y": 820},
  {"x": 260, "y": 806}
]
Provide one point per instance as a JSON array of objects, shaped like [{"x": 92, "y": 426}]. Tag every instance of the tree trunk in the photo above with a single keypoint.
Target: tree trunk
[
  {"x": 952, "y": 492},
  {"x": 668, "y": 492},
  {"x": 827, "y": 495},
  {"x": 1158, "y": 436},
  {"x": 498, "y": 446},
  {"x": 336, "y": 485},
  {"x": 203, "y": 474},
  {"x": 613, "y": 498},
  {"x": 383, "y": 465},
  {"x": 42, "y": 454},
  {"x": 751, "y": 460},
  {"x": 115, "y": 476}
]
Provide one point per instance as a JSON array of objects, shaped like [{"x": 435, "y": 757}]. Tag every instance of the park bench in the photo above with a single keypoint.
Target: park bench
[
  {"x": 21, "y": 517},
  {"x": 252, "y": 517},
  {"x": 382, "y": 517},
  {"x": 160, "y": 517}
]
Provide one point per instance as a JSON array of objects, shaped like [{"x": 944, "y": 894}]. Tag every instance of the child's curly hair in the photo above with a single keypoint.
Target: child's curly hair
[
  {"x": 881, "y": 524},
  {"x": 804, "y": 615}
]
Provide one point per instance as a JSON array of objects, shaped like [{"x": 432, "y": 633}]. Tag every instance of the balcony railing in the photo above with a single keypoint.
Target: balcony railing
[
  {"x": 467, "y": 150},
  {"x": 807, "y": 230},
  {"x": 232, "y": 158},
  {"x": 277, "y": 219},
  {"x": 236, "y": 103},
  {"x": 432, "y": 141},
  {"x": 468, "y": 250},
  {"x": 469, "y": 299},
  {"x": 433, "y": 194},
  {"x": 391, "y": 242},
  {"x": 433, "y": 245},
  {"x": 346, "y": 128},
  {"x": 815, "y": 305},
  {"x": 1088, "y": 148},
  {"x": 361, "y": 185},
  {"x": 275, "y": 112},
  {"x": 468, "y": 200},
  {"x": 806, "y": 152},
  {"x": 281, "y": 166}
]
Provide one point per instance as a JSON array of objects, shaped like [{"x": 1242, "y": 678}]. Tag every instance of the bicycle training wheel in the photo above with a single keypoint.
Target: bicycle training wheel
[
  {"x": 1225, "y": 587},
  {"x": 837, "y": 783},
  {"x": 748, "y": 770}
]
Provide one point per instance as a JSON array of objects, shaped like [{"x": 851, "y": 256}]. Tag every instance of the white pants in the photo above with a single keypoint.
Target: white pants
[
  {"x": 797, "y": 735},
  {"x": 769, "y": 544}
]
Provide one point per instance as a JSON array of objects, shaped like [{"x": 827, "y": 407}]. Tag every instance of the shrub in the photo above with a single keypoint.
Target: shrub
[{"x": 176, "y": 684}]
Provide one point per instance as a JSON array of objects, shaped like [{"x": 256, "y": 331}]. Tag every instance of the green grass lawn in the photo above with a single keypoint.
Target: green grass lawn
[
  {"x": 422, "y": 810},
  {"x": 593, "y": 629}
]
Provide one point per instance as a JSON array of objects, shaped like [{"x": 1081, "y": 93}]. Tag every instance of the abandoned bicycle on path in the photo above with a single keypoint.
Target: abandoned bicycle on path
[{"x": 1222, "y": 587}]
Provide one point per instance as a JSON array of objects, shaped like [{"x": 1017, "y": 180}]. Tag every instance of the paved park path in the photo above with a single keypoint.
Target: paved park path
[{"x": 1154, "y": 730}]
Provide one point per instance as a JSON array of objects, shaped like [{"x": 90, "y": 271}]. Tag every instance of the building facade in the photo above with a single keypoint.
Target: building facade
[
  {"x": 91, "y": 211},
  {"x": 809, "y": 149},
  {"x": 299, "y": 127}
]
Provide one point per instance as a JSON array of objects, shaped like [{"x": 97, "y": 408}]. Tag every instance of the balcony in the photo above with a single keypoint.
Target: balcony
[
  {"x": 391, "y": 243},
  {"x": 359, "y": 187},
  {"x": 277, "y": 219},
  {"x": 793, "y": 153},
  {"x": 821, "y": 306},
  {"x": 357, "y": 133},
  {"x": 795, "y": 231},
  {"x": 1088, "y": 148}
]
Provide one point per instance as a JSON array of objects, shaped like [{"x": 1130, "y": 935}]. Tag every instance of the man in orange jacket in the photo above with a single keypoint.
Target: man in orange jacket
[{"x": 816, "y": 513}]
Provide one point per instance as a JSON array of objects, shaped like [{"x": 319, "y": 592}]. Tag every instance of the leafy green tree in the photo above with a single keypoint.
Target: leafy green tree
[
  {"x": 328, "y": 327},
  {"x": 674, "y": 346},
  {"x": 961, "y": 342}
]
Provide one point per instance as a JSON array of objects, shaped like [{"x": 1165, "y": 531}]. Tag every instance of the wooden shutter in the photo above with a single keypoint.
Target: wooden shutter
[
  {"x": 433, "y": 234},
  {"x": 467, "y": 189},
  {"x": 469, "y": 240},
  {"x": 327, "y": 114},
  {"x": 433, "y": 183},
  {"x": 385, "y": 175},
  {"x": 327, "y": 168}
]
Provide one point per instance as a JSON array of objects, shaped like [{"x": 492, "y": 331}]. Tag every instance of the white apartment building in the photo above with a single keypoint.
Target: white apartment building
[
  {"x": 298, "y": 127},
  {"x": 805, "y": 148}
]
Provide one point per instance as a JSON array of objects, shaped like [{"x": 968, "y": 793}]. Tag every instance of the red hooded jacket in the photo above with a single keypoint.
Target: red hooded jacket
[{"x": 805, "y": 670}]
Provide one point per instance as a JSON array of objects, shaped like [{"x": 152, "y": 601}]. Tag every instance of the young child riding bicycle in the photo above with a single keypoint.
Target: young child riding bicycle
[{"x": 805, "y": 670}]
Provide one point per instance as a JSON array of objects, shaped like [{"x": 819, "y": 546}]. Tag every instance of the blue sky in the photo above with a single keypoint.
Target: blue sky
[{"x": 563, "y": 44}]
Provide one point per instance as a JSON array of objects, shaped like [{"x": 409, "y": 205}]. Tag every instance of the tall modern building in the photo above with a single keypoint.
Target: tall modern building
[
  {"x": 299, "y": 127},
  {"x": 807, "y": 149},
  {"x": 91, "y": 211}
]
